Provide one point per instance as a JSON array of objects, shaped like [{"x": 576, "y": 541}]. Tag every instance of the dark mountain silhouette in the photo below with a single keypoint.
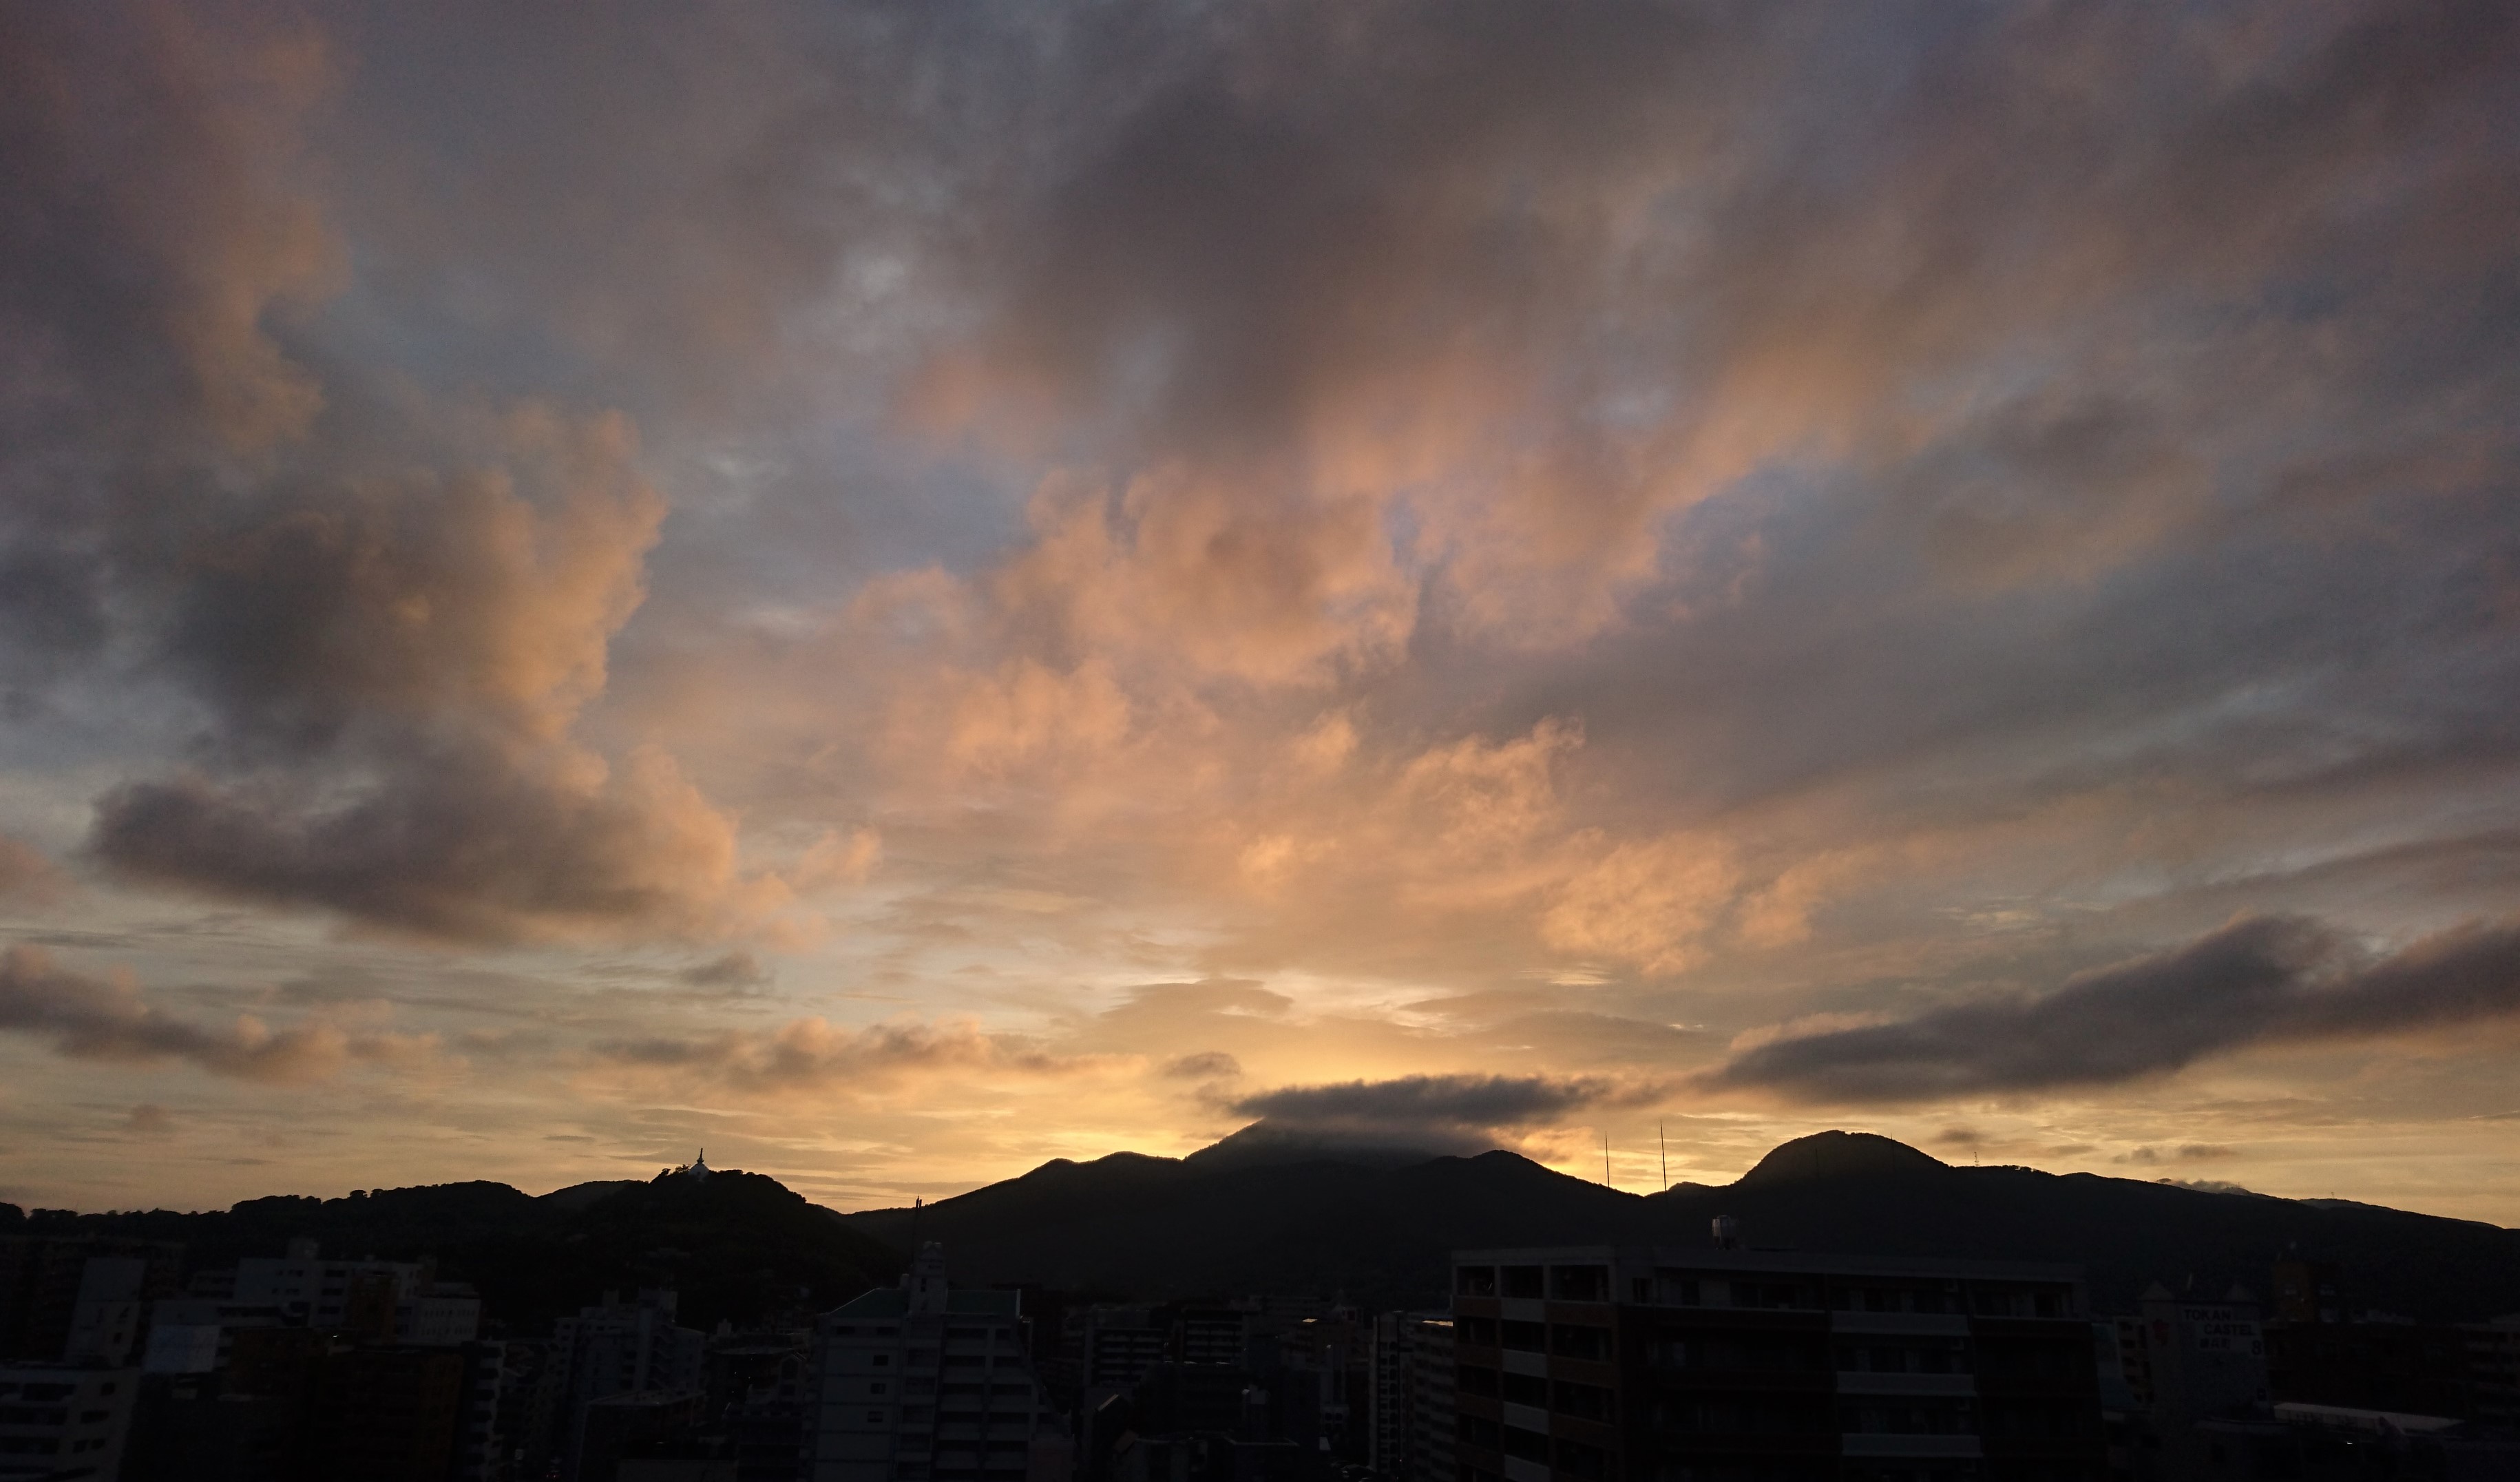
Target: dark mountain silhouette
[
  {"x": 1261, "y": 1142},
  {"x": 737, "y": 1245},
  {"x": 1290, "y": 1216},
  {"x": 1839, "y": 1155},
  {"x": 1321, "y": 1220},
  {"x": 580, "y": 1196}
]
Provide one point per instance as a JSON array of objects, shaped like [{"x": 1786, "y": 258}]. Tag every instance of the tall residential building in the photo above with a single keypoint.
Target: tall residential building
[
  {"x": 65, "y": 1424},
  {"x": 2190, "y": 1356},
  {"x": 478, "y": 1453},
  {"x": 621, "y": 1348},
  {"x": 924, "y": 1383},
  {"x": 1115, "y": 1346},
  {"x": 1411, "y": 1369},
  {"x": 1327, "y": 1355},
  {"x": 1603, "y": 1364},
  {"x": 2494, "y": 1362},
  {"x": 363, "y": 1297},
  {"x": 757, "y": 1393},
  {"x": 2187, "y": 1360},
  {"x": 381, "y": 1415},
  {"x": 51, "y": 1299},
  {"x": 110, "y": 1311}
]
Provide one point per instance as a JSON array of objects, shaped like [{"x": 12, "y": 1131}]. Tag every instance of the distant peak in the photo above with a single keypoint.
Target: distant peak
[
  {"x": 1264, "y": 1143},
  {"x": 1840, "y": 1155}
]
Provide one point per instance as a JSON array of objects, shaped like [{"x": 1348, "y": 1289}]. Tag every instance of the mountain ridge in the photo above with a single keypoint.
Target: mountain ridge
[
  {"x": 1333, "y": 1219},
  {"x": 1172, "y": 1227}
]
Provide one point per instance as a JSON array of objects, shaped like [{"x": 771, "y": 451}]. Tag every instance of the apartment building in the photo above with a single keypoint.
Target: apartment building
[
  {"x": 924, "y": 1383},
  {"x": 1603, "y": 1364}
]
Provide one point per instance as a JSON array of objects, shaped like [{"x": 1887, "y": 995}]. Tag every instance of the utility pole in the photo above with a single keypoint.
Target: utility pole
[
  {"x": 1663, "y": 1144},
  {"x": 1605, "y": 1157}
]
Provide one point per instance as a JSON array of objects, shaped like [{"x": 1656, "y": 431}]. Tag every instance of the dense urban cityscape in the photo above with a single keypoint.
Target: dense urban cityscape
[{"x": 1717, "y": 1360}]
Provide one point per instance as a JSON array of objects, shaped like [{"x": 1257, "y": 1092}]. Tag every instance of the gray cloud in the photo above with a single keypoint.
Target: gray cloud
[
  {"x": 735, "y": 972},
  {"x": 2259, "y": 981},
  {"x": 1207, "y": 1065},
  {"x": 1433, "y": 1110},
  {"x": 93, "y": 1018},
  {"x": 392, "y": 606},
  {"x": 813, "y": 1054}
]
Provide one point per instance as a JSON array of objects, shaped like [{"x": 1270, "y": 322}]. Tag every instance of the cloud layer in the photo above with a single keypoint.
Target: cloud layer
[
  {"x": 89, "y": 1018},
  {"x": 1030, "y": 574},
  {"x": 2262, "y": 980}
]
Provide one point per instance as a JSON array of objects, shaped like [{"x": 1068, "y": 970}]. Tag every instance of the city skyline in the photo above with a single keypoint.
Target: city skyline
[{"x": 903, "y": 593}]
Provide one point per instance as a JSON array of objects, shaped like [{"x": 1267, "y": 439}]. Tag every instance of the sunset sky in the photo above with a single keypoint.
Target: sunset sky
[{"x": 902, "y": 591}]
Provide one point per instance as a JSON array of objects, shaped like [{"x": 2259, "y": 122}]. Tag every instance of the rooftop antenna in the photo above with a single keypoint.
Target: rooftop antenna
[{"x": 1663, "y": 1144}]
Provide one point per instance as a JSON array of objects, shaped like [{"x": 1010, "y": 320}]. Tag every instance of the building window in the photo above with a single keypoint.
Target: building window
[
  {"x": 1584, "y": 1402},
  {"x": 1475, "y": 1280},
  {"x": 1528, "y": 1337},
  {"x": 1523, "y": 1282},
  {"x": 1571, "y": 1341},
  {"x": 1576, "y": 1458},
  {"x": 1580, "y": 1283}
]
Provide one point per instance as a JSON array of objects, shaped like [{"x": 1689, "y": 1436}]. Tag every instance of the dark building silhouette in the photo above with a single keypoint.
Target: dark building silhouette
[
  {"x": 56, "y": 1291},
  {"x": 383, "y": 1414},
  {"x": 2321, "y": 1351},
  {"x": 2308, "y": 1291},
  {"x": 1609, "y": 1364},
  {"x": 619, "y": 1348},
  {"x": 1413, "y": 1382},
  {"x": 756, "y": 1390},
  {"x": 615, "y": 1426},
  {"x": 192, "y": 1427}
]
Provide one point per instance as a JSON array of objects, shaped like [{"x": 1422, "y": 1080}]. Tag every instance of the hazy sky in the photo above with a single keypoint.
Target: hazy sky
[{"x": 902, "y": 591}]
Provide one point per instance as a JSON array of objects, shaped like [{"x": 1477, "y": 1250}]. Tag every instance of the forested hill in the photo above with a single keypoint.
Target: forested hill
[{"x": 739, "y": 1247}]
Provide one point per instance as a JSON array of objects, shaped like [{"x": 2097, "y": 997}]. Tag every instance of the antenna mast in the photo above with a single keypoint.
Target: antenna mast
[
  {"x": 1663, "y": 1144},
  {"x": 1605, "y": 1157}
]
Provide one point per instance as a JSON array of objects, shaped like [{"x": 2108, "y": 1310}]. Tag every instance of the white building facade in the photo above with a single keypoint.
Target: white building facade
[
  {"x": 65, "y": 1424},
  {"x": 922, "y": 1383}
]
